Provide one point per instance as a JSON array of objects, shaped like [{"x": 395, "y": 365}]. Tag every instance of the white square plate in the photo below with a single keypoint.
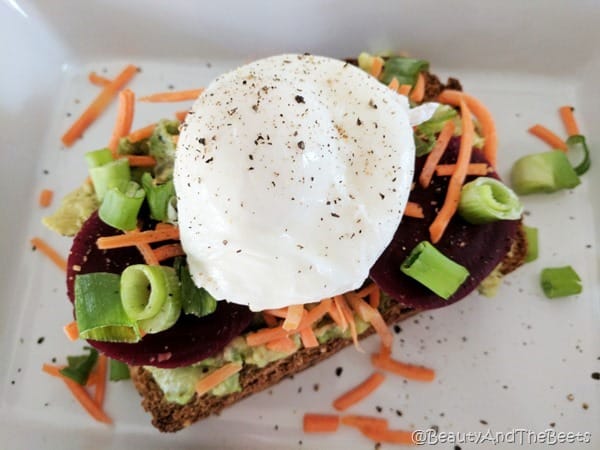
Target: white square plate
[{"x": 518, "y": 361}]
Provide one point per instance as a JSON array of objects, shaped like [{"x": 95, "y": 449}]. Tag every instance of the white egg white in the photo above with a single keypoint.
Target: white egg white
[{"x": 292, "y": 174}]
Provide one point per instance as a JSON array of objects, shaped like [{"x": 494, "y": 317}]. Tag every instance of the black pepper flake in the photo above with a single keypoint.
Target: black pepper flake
[
  {"x": 399, "y": 413},
  {"x": 209, "y": 160},
  {"x": 483, "y": 422},
  {"x": 457, "y": 447},
  {"x": 596, "y": 375},
  {"x": 339, "y": 370},
  {"x": 301, "y": 145},
  {"x": 372, "y": 104},
  {"x": 46, "y": 404},
  {"x": 585, "y": 405},
  {"x": 552, "y": 424},
  {"x": 397, "y": 329},
  {"x": 335, "y": 215},
  {"x": 299, "y": 389},
  {"x": 358, "y": 122},
  {"x": 382, "y": 196},
  {"x": 41, "y": 340},
  {"x": 53, "y": 360},
  {"x": 316, "y": 387},
  {"x": 13, "y": 382},
  {"x": 202, "y": 141},
  {"x": 299, "y": 99},
  {"x": 276, "y": 427},
  {"x": 46, "y": 173},
  {"x": 379, "y": 409}
]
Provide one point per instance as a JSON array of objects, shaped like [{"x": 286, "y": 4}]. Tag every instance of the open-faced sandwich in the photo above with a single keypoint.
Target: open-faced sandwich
[{"x": 302, "y": 204}]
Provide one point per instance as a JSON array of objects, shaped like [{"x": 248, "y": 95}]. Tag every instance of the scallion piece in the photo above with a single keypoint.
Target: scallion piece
[
  {"x": 486, "y": 200},
  {"x": 434, "y": 270},
  {"x": 120, "y": 208},
  {"x": 158, "y": 196},
  {"x": 560, "y": 282},
  {"x": 98, "y": 158},
  {"x": 405, "y": 70},
  {"x": 194, "y": 300},
  {"x": 151, "y": 295},
  {"x": 79, "y": 367},
  {"x": 577, "y": 143},
  {"x": 117, "y": 370},
  {"x": 543, "y": 172},
  {"x": 531, "y": 234},
  {"x": 109, "y": 175},
  {"x": 99, "y": 311}
]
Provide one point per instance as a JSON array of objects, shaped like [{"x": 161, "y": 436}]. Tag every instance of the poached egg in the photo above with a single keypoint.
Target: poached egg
[{"x": 292, "y": 174}]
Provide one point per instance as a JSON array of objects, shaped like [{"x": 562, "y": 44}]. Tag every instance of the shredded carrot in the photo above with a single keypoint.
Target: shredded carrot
[
  {"x": 446, "y": 170},
  {"x": 389, "y": 436},
  {"x": 215, "y": 378},
  {"x": 163, "y": 226},
  {"x": 358, "y": 393},
  {"x": 376, "y": 67},
  {"x": 284, "y": 345},
  {"x": 436, "y": 154},
  {"x": 414, "y": 210},
  {"x": 265, "y": 335},
  {"x": 568, "y": 119},
  {"x": 148, "y": 254},
  {"x": 320, "y": 423},
  {"x": 488, "y": 127},
  {"x": 372, "y": 316},
  {"x": 419, "y": 90},
  {"x": 168, "y": 251},
  {"x": 279, "y": 312},
  {"x": 373, "y": 292},
  {"x": 140, "y": 160},
  {"x": 101, "y": 380},
  {"x": 385, "y": 352},
  {"x": 349, "y": 316},
  {"x": 270, "y": 320},
  {"x": 124, "y": 119},
  {"x": 71, "y": 331},
  {"x": 342, "y": 317},
  {"x": 109, "y": 92},
  {"x": 52, "y": 370},
  {"x": 45, "y": 198},
  {"x": 293, "y": 318},
  {"x": 309, "y": 339},
  {"x": 548, "y": 137},
  {"x": 175, "y": 96},
  {"x": 44, "y": 247},
  {"x": 365, "y": 422},
  {"x": 404, "y": 89},
  {"x": 315, "y": 314},
  {"x": 141, "y": 133},
  {"x": 181, "y": 115},
  {"x": 335, "y": 315},
  {"x": 135, "y": 238},
  {"x": 98, "y": 80},
  {"x": 441, "y": 221},
  {"x": 394, "y": 84},
  {"x": 412, "y": 372}
]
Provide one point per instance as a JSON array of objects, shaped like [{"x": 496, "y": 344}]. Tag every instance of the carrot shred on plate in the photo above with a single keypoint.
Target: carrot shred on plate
[
  {"x": 418, "y": 92},
  {"x": 283, "y": 345},
  {"x": 394, "y": 84},
  {"x": 446, "y": 170},
  {"x": 181, "y": 115},
  {"x": 410, "y": 371},
  {"x": 141, "y": 133},
  {"x": 213, "y": 379},
  {"x": 108, "y": 93},
  {"x": 45, "y": 198},
  {"x": 436, "y": 154},
  {"x": 441, "y": 221},
  {"x": 168, "y": 251},
  {"x": 140, "y": 160},
  {"x": 98, "y": 80},
  {"x": 174, "y": 96},
  {"x": 376, "y": 67},
  {"x": 414, "y": 210},
  {"x": 388, "y": 436},
  {"x": 135, "y": 238},
  {"x": 568, "y": 118},
  {"x": 404, "y": 89},
  {"x": 358, "y": 393},
  {"x": 365, "y": 422},
  {"x": 320, "y": 423},
  {"x": 550, "y": 138},
  {"x": 71, "y": 331},
  {"x": 101, "y": 371},
  {"x": 124, "y": 119},
  {"x": 293, "y": 317},
  {"x": 485, "y": 118},
  {"x": 46, "y": 249}
]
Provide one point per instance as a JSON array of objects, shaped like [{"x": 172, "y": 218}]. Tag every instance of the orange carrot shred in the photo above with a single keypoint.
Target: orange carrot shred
[
  {"x": 410, "y": 371},
  {"x": 488, "y": 127},
  {"x": 365, "y": 422},
  {"x": 568, "y": 119},
  {"x": 389, "y": 436},
  {"x": 441, "y": 221},
  {"x": 141, "y": 133},
  {"x": 109, "y": 92},
  {"x": 282, "y": 345},
  {"x": 135, "y": 238},
  {"x": 372, "y": 316},
  {"x": 52, "y": 370},
  {"x": 265, "y": 335},
  {"x": 98, "y": 80},
  {"x": 279, "y": 312},
  {"x": 548, "y": 137},
  {"x": 181, "y": 115},
  {"x": 148, "y": 254},
  {"x": 45, "y": 198},
  {"x": 373, "y": 292},
  {"x": 436, "y": 154},
  {"x": 101, "y": 380},
  {"x": 140, "y": 160},
  {"x": 358, "y": 393},
  {"x": 309, "y": 339},
  {"x": 215, "y": 378},
  {"x": 404, "y": 89},
  {"x": 124, "y": 119},
  {"x": 342, "y": 317},
  {"x": 168, "y": 251},
  {"x": 376, "y": 67},
  {"x": 335, "y": 315},
  {"x": 71, "y": 331},
  {"x": 340, "y": 301},
  {"x": 163, "y": 226},
  {"x": 46, "y": 249},
  {"x": 419, "y": 90},
  {"x": 446, "y": 170},
  {"x": 414, "y": 210},
  {"x": 293, "y": 318},
  {"x": 320, "y": 423},
  {"x": 394, "y": 84},
  {"x": 174, "y": 96}
]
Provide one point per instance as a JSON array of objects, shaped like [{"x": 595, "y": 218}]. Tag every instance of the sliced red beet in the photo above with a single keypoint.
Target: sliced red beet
[
  {"x": 190, "y": 340},
  {"x": 479, "y": 248}
]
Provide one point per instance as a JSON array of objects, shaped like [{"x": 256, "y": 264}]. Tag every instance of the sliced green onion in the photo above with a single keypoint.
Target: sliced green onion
[
  {"x": 560, "y": 282},
  {"x": 109, "y": 175},
  {"x": 575, "y": 143},
  {"x": 98, "y": 158},
  {"x": 434, "y": 270},
  {"x": 531, "y": 234},
  {"x": 543, "y": 172},
  {"x": 158, "y": 196},
  {"x": 405, "y": 70},
  {"x": 99, "y": 311},
  {"x": 151, "y": 295},
  {"x": 118, "y": 370},
  {"x": 120, "y": 209},
  {"x": 365, "y": 61},
  {"x": 79, "y": 367},
  {"x": 486, "y": 200},
  {"x": 194, "y": 300}
]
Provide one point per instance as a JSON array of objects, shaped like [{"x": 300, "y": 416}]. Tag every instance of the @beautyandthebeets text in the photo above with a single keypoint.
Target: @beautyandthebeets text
[{"x": 516, "y": 436}]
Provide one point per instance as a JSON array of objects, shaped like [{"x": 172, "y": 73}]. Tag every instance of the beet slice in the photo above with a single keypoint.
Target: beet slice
[
  {"x": 190, "y": 340},
  {"x": 479, "y": 248}
]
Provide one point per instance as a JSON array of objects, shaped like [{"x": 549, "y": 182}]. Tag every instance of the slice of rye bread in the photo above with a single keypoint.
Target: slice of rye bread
[{"x": 171, "y": 417}]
